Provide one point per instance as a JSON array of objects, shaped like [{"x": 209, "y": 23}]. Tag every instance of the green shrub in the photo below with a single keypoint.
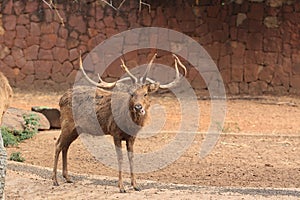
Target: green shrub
[
  {"x": 31, "y": 127},
  {"x": 32, "y": 122},
  {"x": 16, "y": 156},
  {"x": 9, "y": 139},
  {"x": 24, "y": 135},
  {"x": 13, "y": 137}
]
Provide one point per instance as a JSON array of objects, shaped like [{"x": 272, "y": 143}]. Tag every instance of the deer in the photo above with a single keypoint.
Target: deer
[{"x": 134, "y": 107}]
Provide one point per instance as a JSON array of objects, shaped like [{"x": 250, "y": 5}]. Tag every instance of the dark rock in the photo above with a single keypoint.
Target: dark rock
[{"x": 52, "y": 114}]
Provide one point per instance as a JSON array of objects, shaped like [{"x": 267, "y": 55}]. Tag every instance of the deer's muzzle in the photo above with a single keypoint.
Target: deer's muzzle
[{"x": 138, "y": 108}]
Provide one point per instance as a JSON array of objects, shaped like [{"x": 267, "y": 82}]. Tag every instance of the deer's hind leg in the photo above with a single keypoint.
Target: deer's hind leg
[
  {"x": 56, "y": 156},
  {"x": 73, "y": 136},
  {"x": 62, "y": 144}
]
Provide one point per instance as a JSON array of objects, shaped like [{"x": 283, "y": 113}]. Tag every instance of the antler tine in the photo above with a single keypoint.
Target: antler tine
[
  {"x": 181, "y": 65},
  {"x": 124, "y": 67},
  {"x": 177, "y": 70},
  {"x": 102, "y": 83},
  {"x": 178, "y": 76},
  {"x": 144, "y": 77}
]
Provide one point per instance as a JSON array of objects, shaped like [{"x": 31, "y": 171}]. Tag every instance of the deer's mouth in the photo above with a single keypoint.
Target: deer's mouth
[
  {"x": 142, "y": 112},
  {"x": 139, "y": 109}
]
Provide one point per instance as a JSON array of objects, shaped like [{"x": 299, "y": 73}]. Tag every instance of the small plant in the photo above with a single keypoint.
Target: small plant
[
  {"x": 9, "y": 139},
  {"x": 13, "y": 137},
  {"x": 24, "y": 135},
  {"x": 16, "y": 156},
  {"x": 31, "y": 127},
  {"x": 228, "y": 127},
  {"x": 32, "y": 122}
]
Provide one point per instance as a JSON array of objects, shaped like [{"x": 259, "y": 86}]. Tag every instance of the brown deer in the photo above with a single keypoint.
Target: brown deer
[{"x": 133, "y": 107}]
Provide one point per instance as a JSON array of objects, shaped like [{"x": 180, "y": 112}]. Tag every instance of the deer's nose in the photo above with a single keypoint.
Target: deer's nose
[{"x": 138, "y": 107}]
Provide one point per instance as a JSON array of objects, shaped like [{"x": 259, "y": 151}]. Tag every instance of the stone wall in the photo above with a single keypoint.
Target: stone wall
[{"x": 255, "y": 43}]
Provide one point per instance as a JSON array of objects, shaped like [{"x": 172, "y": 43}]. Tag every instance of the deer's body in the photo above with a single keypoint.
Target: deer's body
[
  {"x": 105, "y": 118},
  {"x": 120, "y": 113}
]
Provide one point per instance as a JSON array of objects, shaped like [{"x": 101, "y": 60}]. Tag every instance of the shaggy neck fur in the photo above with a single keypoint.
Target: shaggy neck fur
[
  {"x": 127, "y": 120},
  {"x": 138, "y": 119}
]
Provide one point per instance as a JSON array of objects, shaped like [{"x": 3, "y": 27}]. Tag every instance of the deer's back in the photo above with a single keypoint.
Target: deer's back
[{"x": 89, "y": 110}]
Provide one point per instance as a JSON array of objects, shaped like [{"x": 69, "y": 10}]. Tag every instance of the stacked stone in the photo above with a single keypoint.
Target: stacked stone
[
  {"x": 39, "y": 53},
  {"x": 254, "y": 43},
  {"x": 262, "y": 50}
]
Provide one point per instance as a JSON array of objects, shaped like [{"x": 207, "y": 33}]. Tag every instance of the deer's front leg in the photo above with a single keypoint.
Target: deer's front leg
[
  {"x": 129, "y": 145},
  {"x": 118, "y": 146}
]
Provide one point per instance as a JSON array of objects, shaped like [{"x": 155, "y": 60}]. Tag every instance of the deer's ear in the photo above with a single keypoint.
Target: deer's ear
[{"x": 153, "y": 87}]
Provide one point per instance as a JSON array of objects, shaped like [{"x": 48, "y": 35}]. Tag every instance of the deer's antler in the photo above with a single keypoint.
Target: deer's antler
[{"x": 101, "y": 84}]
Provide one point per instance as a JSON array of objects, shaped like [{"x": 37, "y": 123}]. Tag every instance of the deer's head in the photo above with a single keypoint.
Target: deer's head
[{"x": 140, "y": 88}]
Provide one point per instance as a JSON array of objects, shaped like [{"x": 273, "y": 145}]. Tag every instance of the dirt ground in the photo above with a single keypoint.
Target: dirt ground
[
  {"x": 31, "y": 182},
  {"x": 259, "y": 148}
]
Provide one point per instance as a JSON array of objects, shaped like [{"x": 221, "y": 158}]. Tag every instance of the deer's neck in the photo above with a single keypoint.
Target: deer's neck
[{"x": 139, "y": 120}]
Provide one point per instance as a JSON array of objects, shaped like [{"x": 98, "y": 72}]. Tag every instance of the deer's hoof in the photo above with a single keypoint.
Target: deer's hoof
[
  {"x": 122, "y": 190},
  {"x": 69, "y": 181},
  {"x": 55, "y": 183}
]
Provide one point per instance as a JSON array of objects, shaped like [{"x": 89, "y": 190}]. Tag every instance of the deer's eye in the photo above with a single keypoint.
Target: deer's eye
[{"x": 146, "y": 94}]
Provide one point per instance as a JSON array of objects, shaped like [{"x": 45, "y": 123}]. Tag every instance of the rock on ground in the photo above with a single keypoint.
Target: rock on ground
[{"x": 13, "y": 119}]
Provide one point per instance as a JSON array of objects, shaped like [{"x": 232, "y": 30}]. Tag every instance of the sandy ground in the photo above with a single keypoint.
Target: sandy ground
[
  {"x": 32, "y": 182},
  {"x": 257, "y": 152}
]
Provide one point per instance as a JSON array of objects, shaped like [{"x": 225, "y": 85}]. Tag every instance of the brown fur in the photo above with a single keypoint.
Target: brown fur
[
  {"x": 109, "y": 120},
  {"x": 5, "y": 95}
]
